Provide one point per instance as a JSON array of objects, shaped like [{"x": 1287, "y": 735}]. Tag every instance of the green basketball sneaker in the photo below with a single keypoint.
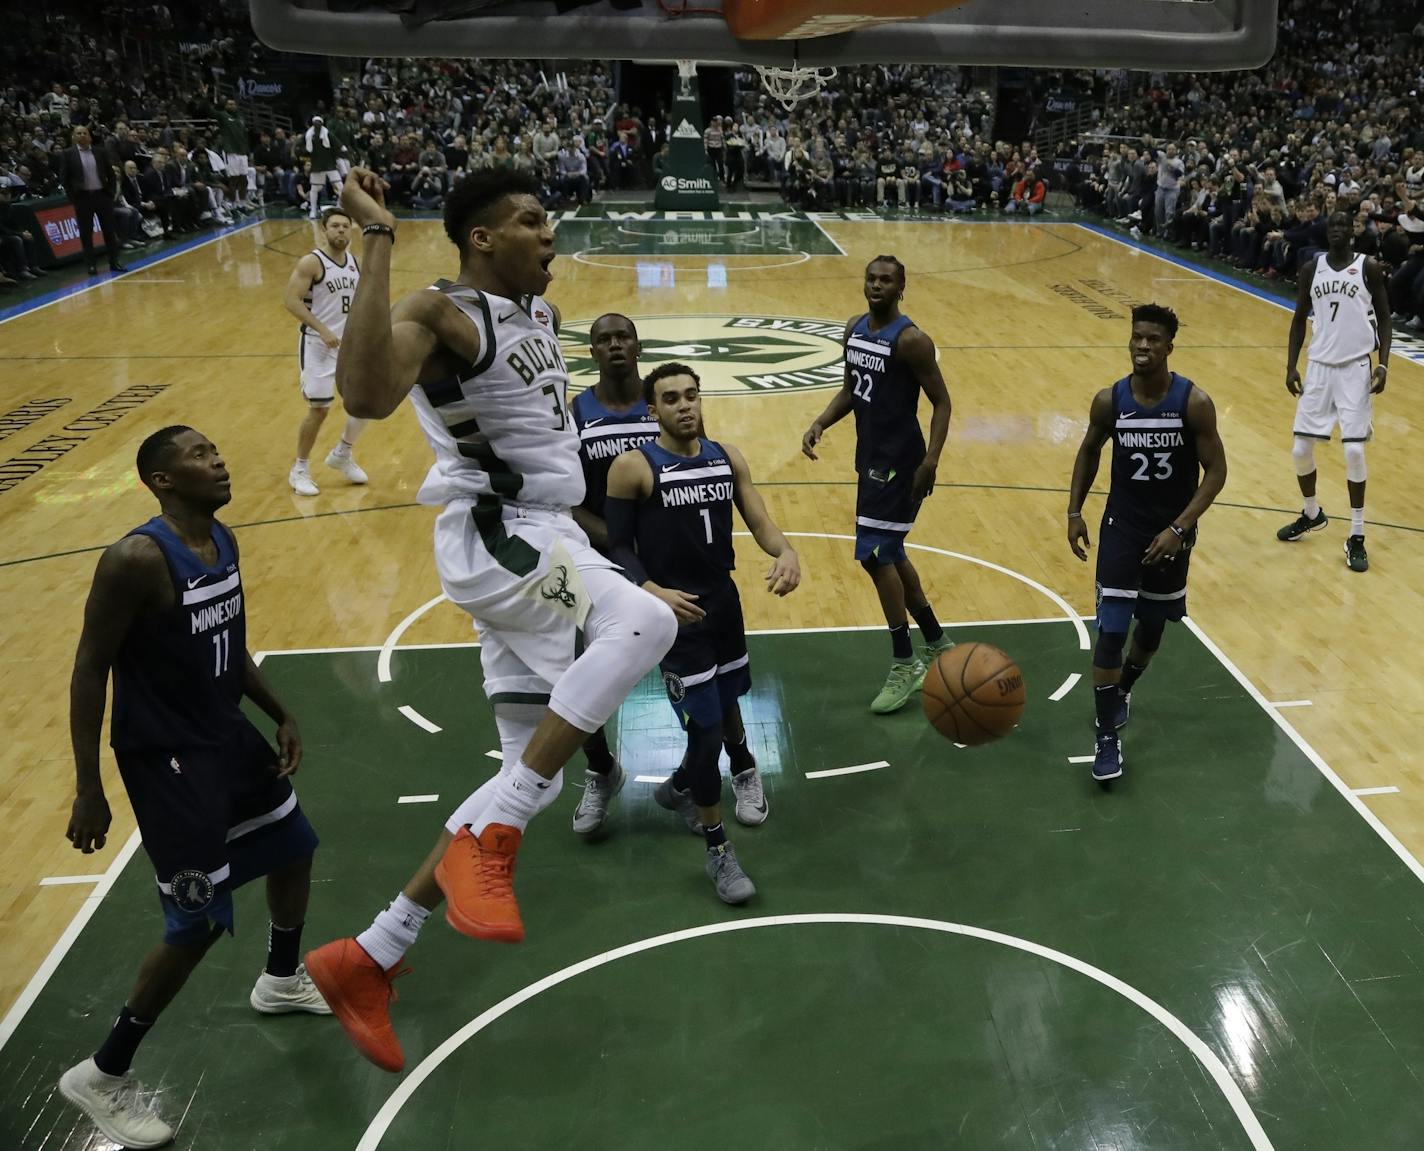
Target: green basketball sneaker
[
  {"x": 902, "y": 682},
  {"x": 932, "y": 652}
]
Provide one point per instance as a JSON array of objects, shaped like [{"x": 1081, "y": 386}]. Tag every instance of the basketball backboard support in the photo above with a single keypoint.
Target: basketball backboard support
[{"x": 1166, "y": 35}]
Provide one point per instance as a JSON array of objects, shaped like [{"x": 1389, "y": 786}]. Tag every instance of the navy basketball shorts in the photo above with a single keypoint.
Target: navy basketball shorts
[
  {"x": 1128, "y": 589},
  {"x": 885, "y": 512},
  {"x": 707, "y": 669},
  {"x": 212, "y": 819}
]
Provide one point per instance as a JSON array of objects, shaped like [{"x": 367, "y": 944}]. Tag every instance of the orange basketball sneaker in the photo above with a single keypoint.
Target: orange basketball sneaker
[
  {"x": 476, "y": 874},
  {"x": 359, "y": 992}
]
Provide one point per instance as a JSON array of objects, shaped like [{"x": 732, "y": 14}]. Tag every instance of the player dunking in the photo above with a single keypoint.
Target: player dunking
[
  {"x": 319, "y": 293},
  {"x": 1349, "y": 297},
  {"x": 889, "y": 361},
  {"x": 612, "y": 417},
  {"x": 1168, "y": 465},
  {"x": 479, "y": 358},
  {"x": 669, "y": 515},
  {"x": 212, "y": 799}
]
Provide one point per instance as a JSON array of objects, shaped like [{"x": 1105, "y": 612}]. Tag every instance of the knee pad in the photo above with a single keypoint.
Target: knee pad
[
  {"x": 1355, "y": 462},
  {"x": 1303, "y": 456},
  {"x": 516, "y": 723},
  {"x": 1108, "y": 653},
  {"x": 1148, "y": 634},
  {"x": 704, "y": 778}
]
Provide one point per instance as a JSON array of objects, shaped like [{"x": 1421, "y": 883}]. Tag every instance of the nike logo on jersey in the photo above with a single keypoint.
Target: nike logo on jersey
[
  {"x": 196, "y": 582},
  {"x": 670, "y": 468},
  {"x": 506, "y": 319}
]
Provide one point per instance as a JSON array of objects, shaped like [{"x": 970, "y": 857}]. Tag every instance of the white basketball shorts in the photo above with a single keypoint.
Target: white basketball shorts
[
  {"x": 520, "y": 574},
  {"x": 318, "y": 363},
  {"x": 236, "y": 163},
  {"x": 1335, "y": 394}
]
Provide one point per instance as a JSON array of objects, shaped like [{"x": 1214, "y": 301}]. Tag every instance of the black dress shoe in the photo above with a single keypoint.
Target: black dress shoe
[{"x": 117, "y": 267}]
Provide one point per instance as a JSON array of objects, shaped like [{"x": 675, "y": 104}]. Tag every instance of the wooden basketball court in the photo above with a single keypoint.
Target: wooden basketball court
[{"x": 1030, "y": 320}]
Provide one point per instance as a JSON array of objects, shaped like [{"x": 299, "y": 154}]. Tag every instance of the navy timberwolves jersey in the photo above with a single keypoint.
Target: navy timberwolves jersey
[
  {"x": 604, "y": 435},
  {"x": 685, "y": 525},
  {"x": 1155, "y": 469},
  {"x": 179, "y": 674},
  {"x": 887, "y": 398}
]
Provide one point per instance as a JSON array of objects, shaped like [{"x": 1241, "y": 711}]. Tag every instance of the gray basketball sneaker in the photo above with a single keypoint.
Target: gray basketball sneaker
[
  {"x": 116, "y": 1104},
  {"x": 598, "y": 793},
  {"x": 751, "y": 797},
  {"x": 727, "y": 875},
  {"x": 667, "y": 796}
]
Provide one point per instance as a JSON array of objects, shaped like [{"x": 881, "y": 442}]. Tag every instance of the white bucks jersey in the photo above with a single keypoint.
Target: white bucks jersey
[
  {"x": 502, "y": 426},
  {"x": 1344, "y": 319},
  {"x": 329, "y": 298}
]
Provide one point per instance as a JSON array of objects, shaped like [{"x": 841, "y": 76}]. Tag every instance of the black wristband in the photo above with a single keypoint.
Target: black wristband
[{"x": 380, "y": 230}]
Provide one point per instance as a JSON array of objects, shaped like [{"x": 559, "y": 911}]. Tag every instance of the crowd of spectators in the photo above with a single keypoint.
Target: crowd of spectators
[{"x": 1247, "y": 168}]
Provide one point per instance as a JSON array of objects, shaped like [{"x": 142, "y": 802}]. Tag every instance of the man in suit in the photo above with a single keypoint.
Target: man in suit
[
  {"x": 187, "y": 194},
  {"x": 89, "y": 181}
]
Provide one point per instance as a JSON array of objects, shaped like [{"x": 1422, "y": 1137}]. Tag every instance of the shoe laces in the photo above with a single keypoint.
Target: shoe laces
[
  {"x": 391, "y": 977},
  {"x": 127, "y": 1098},
  {"x": 901, "y": 673},
  {"x": 748, "y": 784},
  {"x": 495, "y": 873}
]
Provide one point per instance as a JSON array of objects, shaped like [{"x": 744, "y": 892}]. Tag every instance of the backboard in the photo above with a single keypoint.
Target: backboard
[{"x": 1168, "y": 35}]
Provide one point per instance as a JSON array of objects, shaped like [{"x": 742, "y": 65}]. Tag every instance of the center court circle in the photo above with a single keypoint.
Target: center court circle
[{"x": 1208, "y": 1060}]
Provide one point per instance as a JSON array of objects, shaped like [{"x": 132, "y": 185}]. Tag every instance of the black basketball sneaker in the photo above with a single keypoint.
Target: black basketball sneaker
[
  {"x": 1302, "y": 524},
  {"x": 1355, "y": 554}
]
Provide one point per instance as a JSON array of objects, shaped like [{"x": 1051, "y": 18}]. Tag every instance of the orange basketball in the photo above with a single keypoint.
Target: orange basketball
[{"x": 973, "y": 693}]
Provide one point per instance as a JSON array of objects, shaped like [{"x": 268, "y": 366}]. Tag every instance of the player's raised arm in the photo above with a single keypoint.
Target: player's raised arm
[
  {"x": 125, "y": 581},
  {"x": 383, "y": 348},
  {"x": 918, "y": 352},
  {"x": 785, "y": 573},
  {"x": 1378, "y": 285},
  {"x": 1085, "y": 469},
  {"x": 299, "y": 285},
  {"x": 841, "y": 405},
  {"x": 1297, "y": 330}
]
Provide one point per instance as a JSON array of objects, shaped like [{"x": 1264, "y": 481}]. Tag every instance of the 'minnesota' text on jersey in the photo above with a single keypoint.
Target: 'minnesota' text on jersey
[
  {"x": 604, "y": 435},
  {"x": 1343, "y": 318},
  {"x": 501, "y": 426},
  {"x": 685, "y": 526},
  {"x": 178, "y": 677},
  {"x": 1155, "y": 469},
  {"x": 886, "y": 396}
]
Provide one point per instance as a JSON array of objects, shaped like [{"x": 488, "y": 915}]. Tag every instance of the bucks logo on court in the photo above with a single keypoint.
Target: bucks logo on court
[{"x": 734, "y": 355}]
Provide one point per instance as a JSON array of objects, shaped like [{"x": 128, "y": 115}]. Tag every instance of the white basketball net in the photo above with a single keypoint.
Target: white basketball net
[{"x": 791, "y": 86}]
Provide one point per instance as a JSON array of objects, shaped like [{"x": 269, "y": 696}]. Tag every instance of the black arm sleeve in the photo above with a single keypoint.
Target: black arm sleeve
[{"x": 621, "y": 516}]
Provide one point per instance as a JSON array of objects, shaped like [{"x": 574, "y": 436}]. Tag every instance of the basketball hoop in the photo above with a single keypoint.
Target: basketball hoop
[{"x": 792, "y": 86}]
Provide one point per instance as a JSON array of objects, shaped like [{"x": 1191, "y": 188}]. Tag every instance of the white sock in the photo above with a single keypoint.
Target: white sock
[
  {"x": 1357, "y": 521},
  {"x": 469, "y": 812},
  {"x": 392, "y": 933},
  {"x": 517, "y": 798},
  {"x": 354, "y": 427},
  {"x": 302, "y": 463},
  {"x": 1312, "y": 507}
]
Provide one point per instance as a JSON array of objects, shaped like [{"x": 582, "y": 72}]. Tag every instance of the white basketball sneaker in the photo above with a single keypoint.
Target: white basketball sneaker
[
  {"x": 113, "y": 1102},
  {"x": 346, "y": 465},
  {"x": 280, "y": 994},
  {"x": 301, "y": 481}
]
